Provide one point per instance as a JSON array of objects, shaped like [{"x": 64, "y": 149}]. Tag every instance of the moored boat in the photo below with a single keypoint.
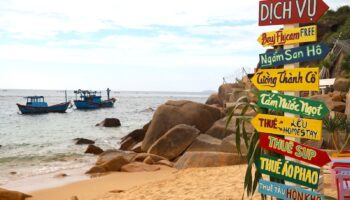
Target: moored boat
[
  {"x": 37, "y": 105},
  {"x": 90, "y": 100}
]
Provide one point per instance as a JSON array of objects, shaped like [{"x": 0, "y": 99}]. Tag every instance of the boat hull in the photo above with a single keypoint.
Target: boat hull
[
  {"x": 88, "y": 105},
  {"x": 58, "y": 108}
]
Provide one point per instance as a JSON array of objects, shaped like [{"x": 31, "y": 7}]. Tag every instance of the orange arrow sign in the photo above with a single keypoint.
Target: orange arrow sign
[{"x": 298, "y": 79}]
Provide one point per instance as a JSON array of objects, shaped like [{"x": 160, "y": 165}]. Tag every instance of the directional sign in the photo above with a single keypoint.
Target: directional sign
[
  {"x": 294, "y": 150},
  {"x": 286, "y": 192},
  {"x": 289, "y": 171},
  {"x": 299, "y": 54},
  {"x": 298, "y": 79},
  {"x": 294, "y": 105},
  {"x": 275, "y": 12},
  {"x": 289, "y": 36},
  {"x": 288, "y": 126}
]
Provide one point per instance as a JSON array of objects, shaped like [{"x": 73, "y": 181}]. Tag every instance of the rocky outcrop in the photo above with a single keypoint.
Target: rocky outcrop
[
  {"x": 80, "y": 141},
  {"x": 339, "y": 106},
  {"x": 208, "y": 143},
  {"x": 219, "y": 130},
  {"x": 139, "y": 167},
  {"x": 12, "y": 195},
  {"x": 174, "y": 142},
  {"x": 173, "y": 113},
  {"x": 110, "y": 122},
  {"x": 327, "y": 99},
  {"x": 342, "y": 84},
  {"x": 208, "y": 159},
  {"x": 213, "y": 100},
  {"x": 92, "y": 149}
]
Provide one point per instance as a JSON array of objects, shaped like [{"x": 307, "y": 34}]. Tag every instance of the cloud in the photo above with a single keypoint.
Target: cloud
[{"x": 181, "y": 36}]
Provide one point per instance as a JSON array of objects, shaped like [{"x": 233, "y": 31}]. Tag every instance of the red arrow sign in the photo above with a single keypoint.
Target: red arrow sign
[
  {"x": 275, "y": 12},
  {"x": 294, "y": 150}
]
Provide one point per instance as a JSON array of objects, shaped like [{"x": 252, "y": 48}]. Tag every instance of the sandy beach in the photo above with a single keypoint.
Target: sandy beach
[{"x": 197, "y": 183}]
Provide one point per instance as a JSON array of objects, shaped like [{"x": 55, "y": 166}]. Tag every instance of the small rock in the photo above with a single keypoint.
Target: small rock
[
  {"x": 139, "y": 167},
  {"x": 110, "y": 122},
  {"x": 13, "y": 173},
  {"x": 74, "y": 198},
  {"x": 116, "y": 191},
  {"x": 0, "y": 146},
  {"x": 12, "y": 195},
  {"x": 80, "y": 141},
  {"x": 61, "y": 175},
  {"x": 92, "y": 149}
]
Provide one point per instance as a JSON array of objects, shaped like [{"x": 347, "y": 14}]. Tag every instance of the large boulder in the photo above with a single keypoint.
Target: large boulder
[
  {"x": 347, "y": 110},
  {"x": 110, "y": 122},
  {"x": 112, "y": 154},
  {"x": 208, "y": 159},
  {"x": 229, "y": 145},
  {"x": 205, "y": 142},
  {"x": 12, "y": 195},
  {"x": 112, "y": 165},
  {"x": 208, "y": 143},
  {"x": 342, "y": 84},
  {"x": 141, "y": 157},
  {"x": 130, "y": 140},
  {"x": 339, "y": 106},
  {"x": 92, "y": 149},
  {"x": 174, "y": 142},
  {"x": 81, "y": 141},
  {"x": 139, "y": 167},
  {"x": 213, "y": 100},
  {"x": 225, "y": 91},
  {"x": 173, "y": 113},
  {"x": 220, "y": 131}
]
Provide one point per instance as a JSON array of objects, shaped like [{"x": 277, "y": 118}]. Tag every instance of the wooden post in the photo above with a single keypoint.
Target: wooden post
[{"x": 296, "y": 94}]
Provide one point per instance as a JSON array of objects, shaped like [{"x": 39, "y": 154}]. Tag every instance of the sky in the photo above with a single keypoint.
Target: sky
[{"x": 137, "y": 45}]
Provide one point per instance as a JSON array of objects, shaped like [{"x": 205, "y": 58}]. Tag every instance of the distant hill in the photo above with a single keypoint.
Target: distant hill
[{"x": 334, "y": 25}]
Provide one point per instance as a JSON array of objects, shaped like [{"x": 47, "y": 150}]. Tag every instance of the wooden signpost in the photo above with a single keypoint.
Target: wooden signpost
[
  {"x": 275, "y": 12},
  {"x": 289, "y": 36},
  {"x": 289, "y": 171},
  {"x": 286, "y": 192},
  {"x": 295, "y": 105},
  {"x": 299, "y": 54},
  {"x": 290, "y": 80},
  {"x": 287, "y": 79},
  {"x": 288, "y": 126},
  {"x": 294, "y": 150}
]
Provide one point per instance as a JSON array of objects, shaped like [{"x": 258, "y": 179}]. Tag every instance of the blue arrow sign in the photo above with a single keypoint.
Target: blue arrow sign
[
  {"x": 286, "y": 192},
  {"x": 299, "y": 54}
]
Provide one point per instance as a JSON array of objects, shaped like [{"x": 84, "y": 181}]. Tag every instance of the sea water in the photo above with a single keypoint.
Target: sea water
[{"x": 33, "y": 145}]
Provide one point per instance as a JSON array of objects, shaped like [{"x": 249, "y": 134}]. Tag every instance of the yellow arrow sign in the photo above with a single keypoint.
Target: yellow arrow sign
[
  {"x": 288, "y": 126},
  {"x": 298, "y": 79},
  {"x": 289, "y": 36}
]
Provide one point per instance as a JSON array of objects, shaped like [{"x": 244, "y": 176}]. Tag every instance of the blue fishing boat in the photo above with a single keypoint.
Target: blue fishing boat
[
  {"x": 91, "y": 100},
  {"x": 37, "y": 105}
]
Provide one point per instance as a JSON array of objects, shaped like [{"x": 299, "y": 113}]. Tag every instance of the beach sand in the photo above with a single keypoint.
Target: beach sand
[
  {"x": 219, "y": 183},
  {"x": 197, "y": 183}
]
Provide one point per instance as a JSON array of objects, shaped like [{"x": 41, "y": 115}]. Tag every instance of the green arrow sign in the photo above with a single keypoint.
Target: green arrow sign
[
  {"x": 294, "y": 105},
  {"x": 289, "y": 171}
]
